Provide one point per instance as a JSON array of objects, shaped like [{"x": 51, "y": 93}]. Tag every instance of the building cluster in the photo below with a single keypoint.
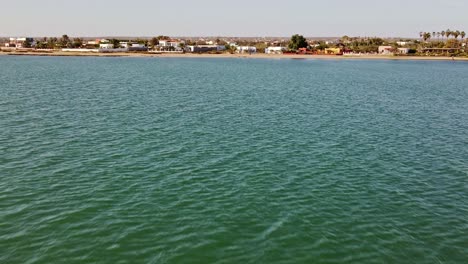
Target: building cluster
[
  {"x": 20, "y": 42},
  {"x": 164, "y": 44},
  {"x": 171, "y": 45},
  {"x": 168, "y": 45}
]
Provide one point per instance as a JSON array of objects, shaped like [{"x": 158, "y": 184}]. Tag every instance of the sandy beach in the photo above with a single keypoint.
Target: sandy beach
[{"x": 227, "y": 55}]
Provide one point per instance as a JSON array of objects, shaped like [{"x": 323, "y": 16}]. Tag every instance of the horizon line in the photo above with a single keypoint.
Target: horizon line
[{"x": 202, "y": 36}]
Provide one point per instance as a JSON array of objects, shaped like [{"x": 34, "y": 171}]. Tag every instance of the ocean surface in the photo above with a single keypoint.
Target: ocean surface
[{"x": 166, "y": 160}]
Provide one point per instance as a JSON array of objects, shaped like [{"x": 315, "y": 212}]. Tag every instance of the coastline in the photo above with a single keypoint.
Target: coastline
[{"x": 227, "y": 55}]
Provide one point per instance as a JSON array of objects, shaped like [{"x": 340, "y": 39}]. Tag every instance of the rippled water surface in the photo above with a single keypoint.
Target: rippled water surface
[{"x": 151, "y": 160}]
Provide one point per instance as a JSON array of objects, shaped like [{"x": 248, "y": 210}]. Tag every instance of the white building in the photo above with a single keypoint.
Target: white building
[
  {"x": 19, "y": 42},
  {"x": 403, "y": 51},
  {"x": 170, "y": 43},
  {"x": 275, "y": 50},
  {"x": 205, "y": 48},
  {"x": 106, "y": 46},
  {"x": 402, "y": 43},
  {"x": 246, "y": 49},
  {"x": 386, "y": 50},
  {"x": 124, "y": 44},
  {"x": 131, "y": 45},
  {"x": 137, "y": 45}
]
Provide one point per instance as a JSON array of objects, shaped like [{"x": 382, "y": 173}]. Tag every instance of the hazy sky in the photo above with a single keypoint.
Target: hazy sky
[{"x": 405, "y": 18}]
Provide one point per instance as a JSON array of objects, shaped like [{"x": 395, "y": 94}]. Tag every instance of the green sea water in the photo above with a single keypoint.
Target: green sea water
[{"x": 153, "y": 160}]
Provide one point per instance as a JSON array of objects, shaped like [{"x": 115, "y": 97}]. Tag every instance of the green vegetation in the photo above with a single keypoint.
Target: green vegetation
[
  {"x": 65, "y": 42},
  {"x": 297, "y": 42},
  {"x": 230, "y": 49},
  {"x": 153, "y": 42},
  {"x": 425, "y": 35},
  {"x": 436, "y": 43},
  {"x": 77, "y": 43},
  {"x": 261, "y": 47},
  {"x": 115, "y": 42},
  {"x": 443, "y": 43},
  {"x": 444, "y": 34},
  {"x": 27, "y": 44}
]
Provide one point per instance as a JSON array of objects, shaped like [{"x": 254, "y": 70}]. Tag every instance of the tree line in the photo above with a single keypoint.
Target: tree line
[
  {"x": 444, "y": 34},
  {"x": 64, "y": 42}
]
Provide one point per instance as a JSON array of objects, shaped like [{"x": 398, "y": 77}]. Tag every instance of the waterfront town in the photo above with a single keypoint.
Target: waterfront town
[{"x": 446, "y": 43}]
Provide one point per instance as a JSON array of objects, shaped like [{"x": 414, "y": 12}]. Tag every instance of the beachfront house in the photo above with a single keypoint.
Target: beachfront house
[
  {"x": 170, "y": 43},
  {"x": 137, "y": 47},
  {"x": 20, "y": 42},
  {"x": 106, "y": 46},
  {"x": 333, "y": 51},
  {"x": 403, "y": 51},
  {"x": 205, "y": 48},
  {"x": 124, "y": 44},
  {"x": 246, "y": 49},
  {"x": 132, "y": 46},
  {"x": 386, "y": 50},
  {"x": 275, "y": 50}
]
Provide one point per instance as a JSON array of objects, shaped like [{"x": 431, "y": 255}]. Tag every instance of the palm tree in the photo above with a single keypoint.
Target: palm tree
[
  {"x": 456, "y": 34},
  {"x": 448, "y": 33},
  {"x": 438, "y": 35},
  {"x": 443, "y": 34},
  {"x": 426, "y": 36},
  {"x": 433, "y": 34},
  {"x": 462, "y": 34}
]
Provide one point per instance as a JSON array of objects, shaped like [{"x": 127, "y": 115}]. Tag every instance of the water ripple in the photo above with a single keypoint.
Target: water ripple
[{"x": 232, "y": 161}]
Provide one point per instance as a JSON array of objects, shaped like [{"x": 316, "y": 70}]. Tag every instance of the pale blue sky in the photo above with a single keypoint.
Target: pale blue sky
[{"x": 405, "y": 18}]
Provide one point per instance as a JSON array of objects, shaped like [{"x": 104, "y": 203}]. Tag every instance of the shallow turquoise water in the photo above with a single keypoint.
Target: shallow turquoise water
[{"x": 150, "y": 160}]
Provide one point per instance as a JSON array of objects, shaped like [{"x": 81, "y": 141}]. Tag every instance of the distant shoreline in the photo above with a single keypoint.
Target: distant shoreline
[{"x": 227, "y": 55}]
